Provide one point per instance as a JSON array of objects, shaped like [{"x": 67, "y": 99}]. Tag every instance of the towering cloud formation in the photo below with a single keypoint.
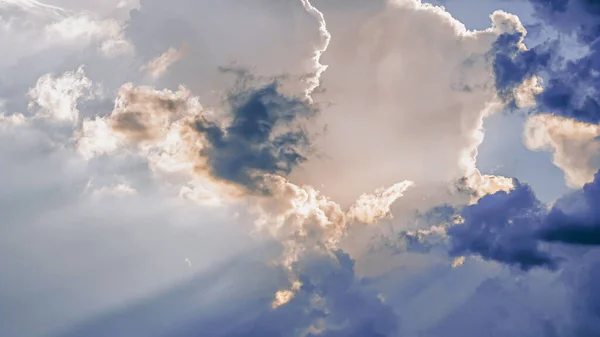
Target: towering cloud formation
[
  {"x": 380, "y": 82},
  {"x": 116, "y": 157}
]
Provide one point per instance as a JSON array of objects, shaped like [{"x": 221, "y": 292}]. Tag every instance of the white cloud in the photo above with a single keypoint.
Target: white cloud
[
  {"x": 116, "y": 205},
  {"x": 31, "y": 27},
  {"x": 315, "y": 81},
  {"x": 525, "y": 93},
  {"x": 574, "y": 145},
  {"x": 409, "y": 88},
  {"x": 158, "y": 125},
  {"x": 57, "y": 97},
  {"x": 158, "y": 66}
]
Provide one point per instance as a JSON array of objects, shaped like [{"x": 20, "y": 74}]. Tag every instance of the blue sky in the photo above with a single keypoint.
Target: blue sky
[
  {"x": 502, "y": 151},
  {"x": 275, "y": 168}
]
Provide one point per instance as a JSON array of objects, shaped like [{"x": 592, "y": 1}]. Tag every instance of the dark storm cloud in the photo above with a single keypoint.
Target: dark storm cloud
[
  {"x": 512, "y": 66},
  {"x": 508, "y": 227},
  {"x": 499, "y": 227},
  {"x": 260, "y": 138},
  {"x": 572, "y": 85},
  {"x": 580, "y": 225}
]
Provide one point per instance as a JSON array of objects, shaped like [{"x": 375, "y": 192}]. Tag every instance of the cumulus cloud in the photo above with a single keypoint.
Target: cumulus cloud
[
  {"x": 509, "y": 227},
  {"x": 247, "y": 156},
  {"x": 574, "y": 145},
  {"x": 256, "y": 141},
  {"x": 261, "y": 138},
  {"x": 344, "y": 120},
  {"x": 499, "y": 228},
  {"x": 513, "y": 228},
  {"x": 380, "y": 81},
  {"x": 57, "y": 97}
]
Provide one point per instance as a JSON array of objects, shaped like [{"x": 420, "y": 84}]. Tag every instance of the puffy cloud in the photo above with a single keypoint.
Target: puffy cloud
[
  {"x": 571, "y": 84},
  {"x": 515, "y": 65},
  {"x": 305, "y": 220},
  {"x": 567, "y": 127},
  {"x": 152, "y": 183},
  {"x": 575, "y": 219},
  {"x": 141, "y": 115},
  {"x": 57, "y": 97},
  {"x": 574, "y": 145},
  {"x": 509, "y": 227},
  {"x": 380, "y": 82},
  {"x": 246, "y": 156},
  {"x": 499, "y": 227},
  {"x": 371, "y": 207},
  {"x": 526, "y": 92},
  {"x": 260, "y": 139}
]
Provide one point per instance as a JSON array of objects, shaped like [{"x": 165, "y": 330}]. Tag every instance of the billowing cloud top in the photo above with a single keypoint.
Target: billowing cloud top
[{"x": 296, "y": 168}]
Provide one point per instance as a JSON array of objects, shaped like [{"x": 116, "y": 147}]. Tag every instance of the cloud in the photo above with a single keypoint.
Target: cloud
[
  {"x": 57, "y": 97},
  {"x": 514, "y": 63},
  {"x": 381, "y": 117},
  {"x": 305, "y": 221},
  {"x": 45, "y": 27},
  {"x": 578, "y": 221},
  {"x": 509, "y": 227},
  {"x": 140, "y": 197},
  {"x": 269, "y": 38},
  {"x": 326, "y": 39},
  {"x": 499, "y": 227},
  {"x": 570, "y": 88},
  {"x": 242, "y": 158},
  {"x": 158, "y": 66},
  {"x": 92, "y": 244},
  {"x": 258, "y": 140},
  {"x": 574, "y": 145},
  {"x": 500, "y": 306}
]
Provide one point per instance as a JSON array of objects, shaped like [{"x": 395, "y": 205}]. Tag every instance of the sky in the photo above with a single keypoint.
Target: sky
[{"x": 283, "y": 168}]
